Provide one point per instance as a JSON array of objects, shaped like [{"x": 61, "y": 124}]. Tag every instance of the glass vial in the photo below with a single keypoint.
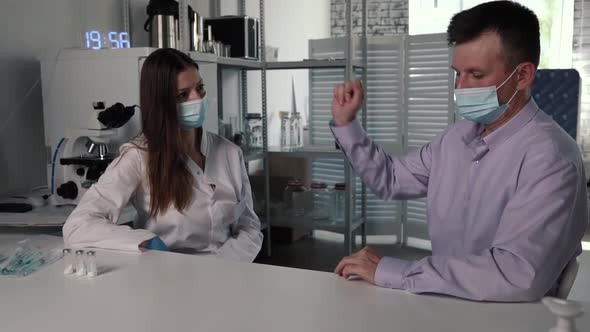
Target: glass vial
[
  {"x": 91, "y": 264},
  {"x": 80, "y": 263},
  {"x": 69, "y": 264}
]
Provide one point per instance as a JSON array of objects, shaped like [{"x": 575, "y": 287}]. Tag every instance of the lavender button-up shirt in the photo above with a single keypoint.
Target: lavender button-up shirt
[{"x": 506, "y": 213}]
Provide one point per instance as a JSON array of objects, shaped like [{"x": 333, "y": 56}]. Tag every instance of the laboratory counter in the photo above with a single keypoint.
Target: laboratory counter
[{"x": 162, "y": 291}]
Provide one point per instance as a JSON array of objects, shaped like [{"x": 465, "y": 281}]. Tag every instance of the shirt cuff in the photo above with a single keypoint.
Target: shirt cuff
[
  {"x": 390, "y": 272},
  {"x": 348, "y": 134}
]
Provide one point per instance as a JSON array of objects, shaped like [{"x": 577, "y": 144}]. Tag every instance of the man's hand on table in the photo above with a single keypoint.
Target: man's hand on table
[{"x": 362, "y": 264}]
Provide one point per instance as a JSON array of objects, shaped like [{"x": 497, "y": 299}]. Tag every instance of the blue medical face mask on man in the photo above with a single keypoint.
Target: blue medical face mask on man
[
  {"x": 481, "y": 104},
  {"x": 191, "y": 114}
]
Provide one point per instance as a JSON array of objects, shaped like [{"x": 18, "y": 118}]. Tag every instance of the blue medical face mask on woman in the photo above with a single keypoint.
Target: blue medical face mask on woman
[
  {"x": 481, "y": 104},
  {"x": 191, "y": 114}
]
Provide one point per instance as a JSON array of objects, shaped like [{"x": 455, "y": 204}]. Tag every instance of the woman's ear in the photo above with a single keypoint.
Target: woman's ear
[{"x": 526, "y": 75}]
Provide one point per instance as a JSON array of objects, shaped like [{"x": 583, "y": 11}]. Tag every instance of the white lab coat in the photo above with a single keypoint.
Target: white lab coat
[{"x": 218, "y": 221}]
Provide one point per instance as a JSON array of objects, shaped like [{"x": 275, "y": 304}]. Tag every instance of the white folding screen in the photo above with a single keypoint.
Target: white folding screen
[
  {"x": 409, "y": 95},
  {"x": 429, "y": 88},
  {"x": 321, "y": 86},
  {"x": 384, "y": 93},
  {"x": 581, "y": 62},
  {"x": 384, "y": 102},
  {"x": 429, "y": 109}
]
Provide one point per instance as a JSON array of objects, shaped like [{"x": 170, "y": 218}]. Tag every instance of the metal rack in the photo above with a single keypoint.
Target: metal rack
[{"x": 352, "y": 221}]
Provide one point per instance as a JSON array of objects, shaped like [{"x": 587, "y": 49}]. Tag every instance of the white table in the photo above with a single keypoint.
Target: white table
[{"x": 157, "y": 291}]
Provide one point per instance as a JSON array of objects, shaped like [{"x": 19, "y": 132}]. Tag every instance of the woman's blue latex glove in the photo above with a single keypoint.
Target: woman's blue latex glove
[{"x": 156, "y": 243}]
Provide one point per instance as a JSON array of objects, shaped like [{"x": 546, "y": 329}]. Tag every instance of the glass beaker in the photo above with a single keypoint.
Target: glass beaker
[
  {"x": 285, "y": 129},
  {"x": 209, "y": 46},
  {"x": 295, "y": 130}
]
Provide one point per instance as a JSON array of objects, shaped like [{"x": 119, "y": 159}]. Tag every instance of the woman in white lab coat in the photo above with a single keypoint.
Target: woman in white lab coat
[{"x": 189, "y": 187}]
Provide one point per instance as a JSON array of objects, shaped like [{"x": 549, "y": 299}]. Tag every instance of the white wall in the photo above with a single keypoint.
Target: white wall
[{"x": 30, "y": 29}]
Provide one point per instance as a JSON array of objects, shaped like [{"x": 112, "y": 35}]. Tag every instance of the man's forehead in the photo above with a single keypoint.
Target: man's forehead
[{"x": 480, "y": 53}]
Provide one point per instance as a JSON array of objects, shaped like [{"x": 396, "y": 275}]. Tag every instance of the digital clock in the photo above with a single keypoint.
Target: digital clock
[{"x": 97, "y": 40}]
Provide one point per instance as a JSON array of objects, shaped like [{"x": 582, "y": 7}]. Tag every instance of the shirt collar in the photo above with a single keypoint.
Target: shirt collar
[
  {"x": 480, "y": 146},
  {"x": 472, "y": 140},
  {"x": 500, "y": 135}
]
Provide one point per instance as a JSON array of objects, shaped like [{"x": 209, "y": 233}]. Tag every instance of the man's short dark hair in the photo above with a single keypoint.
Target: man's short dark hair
[{"x": 517, "y": 26}]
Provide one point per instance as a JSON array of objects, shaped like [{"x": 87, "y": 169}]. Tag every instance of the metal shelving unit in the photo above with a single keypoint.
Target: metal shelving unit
[
  {"x": 356, "y": 223},
  {"x": 310, "y": 152},
  {"x": 352, "y": 221},
  {"x": 254, "y": 155},
  {"x": 235, "y": 63},
  {"x": 311, "y": 64},
  {"x": 226, "y": 62}
]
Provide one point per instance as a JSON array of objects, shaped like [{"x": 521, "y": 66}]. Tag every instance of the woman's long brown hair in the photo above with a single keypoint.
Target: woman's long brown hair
[{"x": 170, "y": 180}]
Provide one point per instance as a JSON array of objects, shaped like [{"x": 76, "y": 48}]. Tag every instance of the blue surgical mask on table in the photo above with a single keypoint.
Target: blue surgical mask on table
[
  {"x": 481, "y": 104},
  {"x": 191, "y": 114}
]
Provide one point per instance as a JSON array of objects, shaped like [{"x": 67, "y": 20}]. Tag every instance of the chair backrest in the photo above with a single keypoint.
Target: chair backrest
[
  {"x": 567, "y": 279},
  {"x": 557, "y": 92}
]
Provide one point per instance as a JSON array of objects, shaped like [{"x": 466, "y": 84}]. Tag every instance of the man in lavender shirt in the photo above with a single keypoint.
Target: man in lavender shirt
[{"x": 505, "y": 189}]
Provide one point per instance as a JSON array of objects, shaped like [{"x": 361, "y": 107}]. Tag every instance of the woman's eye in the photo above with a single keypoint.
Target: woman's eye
[{"x": 181, "y": 96}]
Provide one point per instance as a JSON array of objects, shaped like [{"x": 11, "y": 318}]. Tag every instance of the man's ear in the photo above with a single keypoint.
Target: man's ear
[{"x": 526, "y": 75}]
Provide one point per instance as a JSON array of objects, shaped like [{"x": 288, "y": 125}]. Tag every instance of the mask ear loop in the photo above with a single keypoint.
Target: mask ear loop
[
  {"x": 515, "y": 92},
  {"x": 508, "y": 78},
  {"x": 514, "y": 95}
]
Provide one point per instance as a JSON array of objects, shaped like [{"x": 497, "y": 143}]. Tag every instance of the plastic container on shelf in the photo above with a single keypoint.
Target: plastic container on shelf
[
  {"x": 338, "y": 206},
  {"x": 295, "y": 198},
  {"x": 320, "y": 202},
  {"x": 254, "y": 130}
]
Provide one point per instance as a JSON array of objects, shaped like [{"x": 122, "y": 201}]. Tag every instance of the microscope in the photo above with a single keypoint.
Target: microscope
[
  {"x": 89, "y": 111},
  {"x": 84, "y": 154}
]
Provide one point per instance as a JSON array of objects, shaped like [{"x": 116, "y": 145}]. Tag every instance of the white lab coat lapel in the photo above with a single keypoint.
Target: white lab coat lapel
[{"x": 224, "y": 171}]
